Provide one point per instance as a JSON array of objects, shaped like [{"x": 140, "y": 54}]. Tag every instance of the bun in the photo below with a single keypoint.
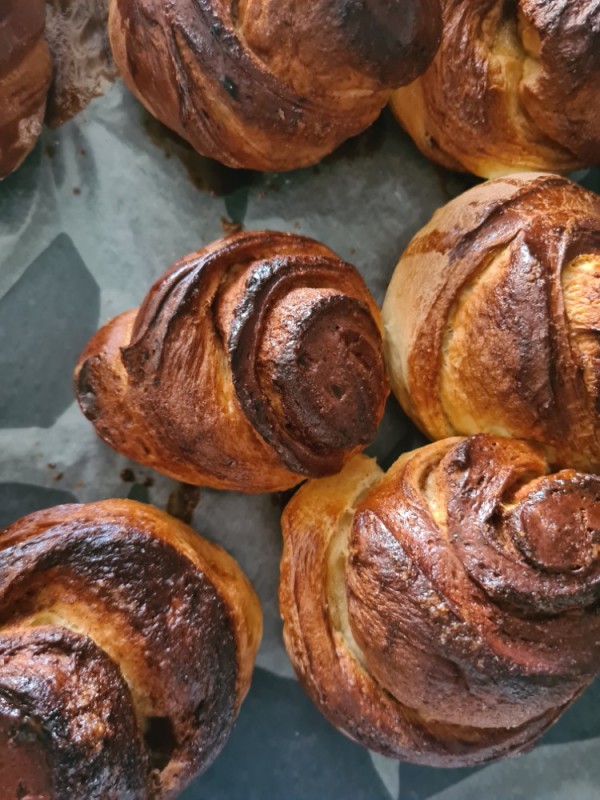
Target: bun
[
  {"x": 25, "y": 74},
  {"x": 265, "y": 84},
  {"x": 492, "y": 318},
  {"x": 514, "y": 86},
  {"x": 251, "y": 364},
  {"x": 127, "y": 644},
  {"x": 446, "y": 612}
]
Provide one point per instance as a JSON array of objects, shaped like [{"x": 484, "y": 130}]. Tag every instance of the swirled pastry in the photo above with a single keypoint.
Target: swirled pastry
[
  {"x": 446, "y": 612},
  {"x": 514, "y": 86},
  {"x": 492, "y": 318},
  {"x": 127, "y": 644},
  {"x": 250, "y": 365},
  {"x": 270, "y": 84},
  {"x": 25, "y": 74}
]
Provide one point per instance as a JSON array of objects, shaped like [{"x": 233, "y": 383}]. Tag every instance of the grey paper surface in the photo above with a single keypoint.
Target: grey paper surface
[{"x": 98, "y": 211}]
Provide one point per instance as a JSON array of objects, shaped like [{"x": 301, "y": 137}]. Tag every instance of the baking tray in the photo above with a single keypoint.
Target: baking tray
[{"x": 98, "y": 211}]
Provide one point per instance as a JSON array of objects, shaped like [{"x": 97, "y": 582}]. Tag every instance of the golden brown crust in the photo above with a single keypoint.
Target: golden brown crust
[
  {"x": 126, "y": 648},
  {"x": 270, "y": 85},
  {"x": 250, "y": 364},
  {"x": 514, "y": 86},
  {"x": 446, "y": 612},
  {"x": 25, "y": 73},
  {"x": 492, "y": 318}
]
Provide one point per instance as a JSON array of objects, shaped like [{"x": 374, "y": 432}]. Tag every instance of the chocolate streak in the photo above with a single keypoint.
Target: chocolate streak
[
  {"x": 231, "y": 83},
  {"x": 110, "y": 634}
]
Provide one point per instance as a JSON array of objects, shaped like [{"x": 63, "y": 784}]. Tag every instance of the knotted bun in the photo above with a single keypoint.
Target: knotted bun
[
  {"x": 446, "y": 612},
  {"x": 126, "y": 647},
  {"x": 250, "y": 364},
  {"x": 266, "y": 84},
  {"x": 492, "y": 318}
]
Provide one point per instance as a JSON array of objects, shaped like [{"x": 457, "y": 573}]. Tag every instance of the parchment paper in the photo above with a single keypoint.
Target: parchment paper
[{"x": 97, "y": 212}]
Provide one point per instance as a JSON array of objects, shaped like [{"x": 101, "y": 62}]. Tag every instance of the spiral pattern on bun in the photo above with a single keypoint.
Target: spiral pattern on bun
[
  {"x": 127, "y": 644},
  {"x": 250, "y": 365},
  {"x": 446, "y": 612},
  {"x": 265, "y": 84}
]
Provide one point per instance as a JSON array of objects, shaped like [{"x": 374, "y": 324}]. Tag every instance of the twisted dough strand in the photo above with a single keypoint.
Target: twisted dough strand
[
  {"x": 126, "y": 647},
  {"x": 446, "y": 612}
]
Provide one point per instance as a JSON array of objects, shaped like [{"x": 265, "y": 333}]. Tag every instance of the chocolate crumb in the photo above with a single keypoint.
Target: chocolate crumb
[
  {"x": 127, "y": 475},
  {"x": 230, "y": 228},
  {"x": 183, "y": 501}
]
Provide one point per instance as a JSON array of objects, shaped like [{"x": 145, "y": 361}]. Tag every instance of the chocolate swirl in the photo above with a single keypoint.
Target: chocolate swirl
[
  {"x": 270, "y": 85},
  {"x": 126, "y": 647},
  {"x": 250, "y": 364},
  {"x": 514, "y": 85},
  {"x": 493, "y": 314},
  {"x": 25, "y": 74},
  {"x": 446, "y": 612}
]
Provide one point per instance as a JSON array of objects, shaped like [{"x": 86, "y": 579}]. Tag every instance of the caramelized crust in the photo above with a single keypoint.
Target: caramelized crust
[
  {"x": 127, "y": 645},
  {"x": 266, "y": 84},
  {"x": 515, "y": 85},
  {"x": 492, "y": 318},
  {"x": 250, "y": 364},
  {"x": 446, "y": 612},
  {"x": 25, "y": 73}
]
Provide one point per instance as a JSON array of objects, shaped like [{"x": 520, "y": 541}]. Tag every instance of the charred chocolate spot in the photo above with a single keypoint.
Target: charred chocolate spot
[
  {"x": 388, "y": 35},
  {"x": 230, "y": 87}
]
